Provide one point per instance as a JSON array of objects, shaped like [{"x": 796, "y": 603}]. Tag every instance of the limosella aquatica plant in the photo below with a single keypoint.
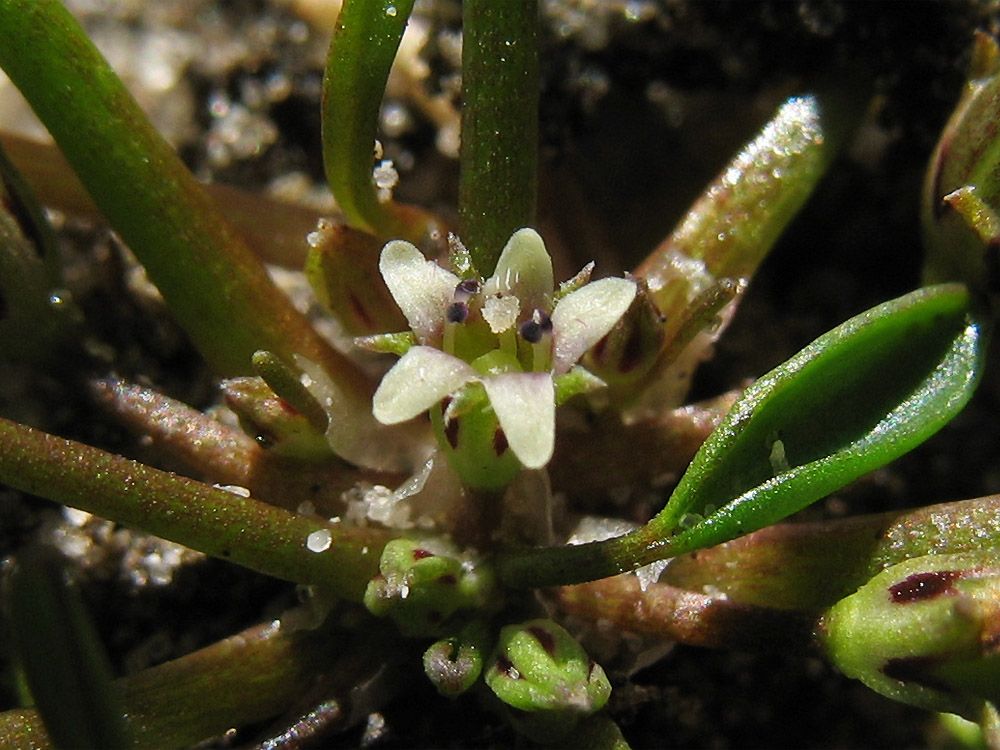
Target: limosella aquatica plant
[{"x": 426, "y": 500}]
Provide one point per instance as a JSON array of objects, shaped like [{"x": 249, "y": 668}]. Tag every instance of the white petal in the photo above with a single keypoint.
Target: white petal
[
  {"x": 422, "y": 289},
  {"x": 582, "y": 318},
  {"x": 422, "y": 377},
  {"x": 524, "y": 403},
  {"x": 524, "y": 270}
]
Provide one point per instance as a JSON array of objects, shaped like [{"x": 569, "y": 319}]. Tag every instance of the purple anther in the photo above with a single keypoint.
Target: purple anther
[
  {"x": 536, "y": 327},
  {"x": 457, "y": 312}
]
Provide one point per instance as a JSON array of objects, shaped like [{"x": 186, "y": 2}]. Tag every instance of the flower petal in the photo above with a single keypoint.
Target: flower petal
[
  {"x": 524, "y": 270},
  {"x": 422, "y": 377},
  {"x": 525, "y": 407},
  {"x": 422, "y": 289},
  {"x": 582, "y": 318}
]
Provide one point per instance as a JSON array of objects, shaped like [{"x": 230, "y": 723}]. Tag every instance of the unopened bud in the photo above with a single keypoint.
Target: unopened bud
[
  {"x": 632, "y": 346},
  {"x": 422, "y": 583},
  {"x": 924, "y": 632},
  {"x": 273, "y": 421},
  {"x": 539, "y": 669},
  {"x": 454, "y": 664},
  {"x": 961, "y": 202}
]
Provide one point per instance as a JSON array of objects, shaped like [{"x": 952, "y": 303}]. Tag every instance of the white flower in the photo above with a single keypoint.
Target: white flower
[{"x": 510, "y": 334}]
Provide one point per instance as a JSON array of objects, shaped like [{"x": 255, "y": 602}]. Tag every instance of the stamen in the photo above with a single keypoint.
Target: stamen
[
  {"x": 457, "y": 312},
  {"x": 466, "y": 288},
  {"x": 538, "y": 326}
]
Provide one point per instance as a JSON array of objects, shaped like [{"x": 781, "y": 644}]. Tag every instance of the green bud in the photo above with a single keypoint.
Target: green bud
[
  {"x": 924, "y": 632},
  {"x": 961, "y": 198},
  {"x": 274, "y": 421},
  {"x": 540, "y": 669},
  {"x": 454, "y": 664},
  {"x": 422, "y": 583},
  {"x": 631, "y": 348},
  {"x": 342, "y": 268}
]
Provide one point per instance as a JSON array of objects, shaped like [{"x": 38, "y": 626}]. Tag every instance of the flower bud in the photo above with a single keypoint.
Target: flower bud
[
  {"x": 454, "y": 664},
  {"x": 924, "y": 632},
  {"x": 422, "y": 583},
  {"x": 961, "y": 201},
  {"x": 273, "y": 421},
  {"x": 541, "y": 671},
  {"x": 632, "y": 346}
]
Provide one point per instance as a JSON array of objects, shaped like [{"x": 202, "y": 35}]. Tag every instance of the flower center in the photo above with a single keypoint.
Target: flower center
[{"x": 478, "y": 323}]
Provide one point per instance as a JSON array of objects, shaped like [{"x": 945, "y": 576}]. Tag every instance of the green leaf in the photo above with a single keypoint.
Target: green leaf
[
  {"x": 499, "y": 152},
  {"x": 363, "y": 47},
  {"x": 736, "y": 220},
  {"x": 856, "y": 398},
  {"x": 221, "y": 295},
  {"x": 63, "y": 660}
]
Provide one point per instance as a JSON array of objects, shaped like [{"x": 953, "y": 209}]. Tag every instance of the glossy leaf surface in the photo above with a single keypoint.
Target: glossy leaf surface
[{"x": 364, "y": 45}]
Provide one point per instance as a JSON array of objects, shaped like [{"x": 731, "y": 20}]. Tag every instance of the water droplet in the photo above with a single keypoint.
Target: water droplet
[
  {"x": 391, "y": 11},
  {"x": 319, "y": 541}
]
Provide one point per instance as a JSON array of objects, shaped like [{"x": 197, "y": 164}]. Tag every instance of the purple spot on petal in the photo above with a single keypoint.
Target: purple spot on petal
[
  {"x": 358, "y": 309},
  {"x": 420, "y": 554},
  {"x": 631, "y": 353},
  {"x": 923, "y": 586},
  {"x": 448, "y": 579}
]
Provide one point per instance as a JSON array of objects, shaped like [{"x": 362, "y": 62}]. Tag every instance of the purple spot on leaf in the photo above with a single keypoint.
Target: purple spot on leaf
[
  {"x": 545, "y": 639},
  {"x": 923, "y": 586},
  {"x": 500, "y": 442},
  {"x": 451, "y": 432},
  {"x": 506, "y": 666}
]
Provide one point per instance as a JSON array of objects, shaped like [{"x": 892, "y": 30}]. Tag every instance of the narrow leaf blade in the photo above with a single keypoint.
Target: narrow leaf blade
[
  {"x": 64, "y": 662},
  {"x": 853, "y": 400}
]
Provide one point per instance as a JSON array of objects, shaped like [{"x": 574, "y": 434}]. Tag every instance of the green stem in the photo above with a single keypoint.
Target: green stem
[
  {"x": 219, "y": 523},
  {"x": 363, "y": 47},
  {"x": 499, "y": 153},
  {"x": 220, "y": 294}
]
